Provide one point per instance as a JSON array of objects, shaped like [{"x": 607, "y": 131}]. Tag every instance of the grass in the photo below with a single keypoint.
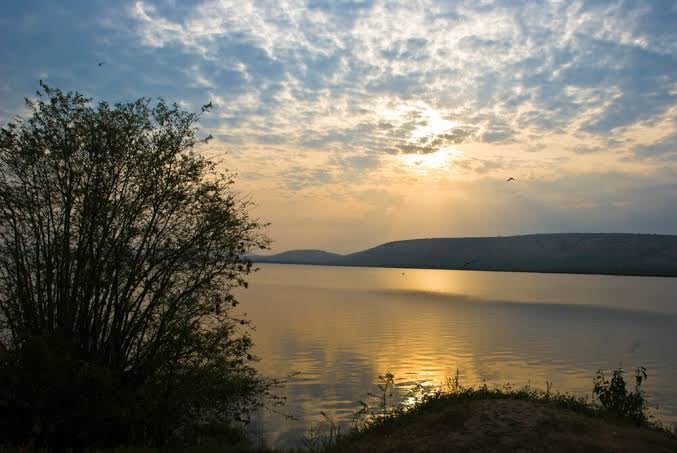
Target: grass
[
  {"x": 502, "y": 418},
  {"x": 455, "y": 417}
]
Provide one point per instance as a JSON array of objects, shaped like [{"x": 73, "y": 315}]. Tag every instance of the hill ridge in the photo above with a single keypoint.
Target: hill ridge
[{"x": 586, "y": 253}]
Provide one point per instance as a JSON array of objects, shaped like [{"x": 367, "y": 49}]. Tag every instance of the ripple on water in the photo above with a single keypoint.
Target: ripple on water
[{"x": 362, "y": 323}]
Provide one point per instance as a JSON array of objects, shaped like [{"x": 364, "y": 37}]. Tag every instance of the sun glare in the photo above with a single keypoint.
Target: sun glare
[
  {"x": 435, "y": 125},
  {"x": 439, "y": 159}
]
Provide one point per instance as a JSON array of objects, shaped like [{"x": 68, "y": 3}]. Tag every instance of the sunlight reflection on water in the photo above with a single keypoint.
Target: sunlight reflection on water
[{"x": 342, "y": 327}]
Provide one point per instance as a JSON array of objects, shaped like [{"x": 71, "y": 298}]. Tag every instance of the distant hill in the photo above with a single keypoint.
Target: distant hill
[
  {"x": 581, "y": 253},
  {"x": 299, "y": 257}
]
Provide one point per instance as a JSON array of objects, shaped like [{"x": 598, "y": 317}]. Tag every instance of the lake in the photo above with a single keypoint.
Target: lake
[{"x": 342, "y": 327}]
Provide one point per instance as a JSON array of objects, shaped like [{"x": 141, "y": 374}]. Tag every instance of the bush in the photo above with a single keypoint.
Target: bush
[
  {"x": 617, "y": 400},
  {"x": 392, "y": 407},
  {"x": 119, "y": 248}
]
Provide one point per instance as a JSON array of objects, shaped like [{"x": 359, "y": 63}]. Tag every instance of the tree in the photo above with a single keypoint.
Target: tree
[{"x": 119, "y": 249}]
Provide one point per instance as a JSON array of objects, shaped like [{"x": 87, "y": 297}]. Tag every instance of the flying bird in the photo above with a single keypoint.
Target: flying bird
[
  {"x": 206, "y": 106},
  {"x": 468, "y": 263},
  {"x": 101, "y": 63},
  {"x": 510, "y": 179}
]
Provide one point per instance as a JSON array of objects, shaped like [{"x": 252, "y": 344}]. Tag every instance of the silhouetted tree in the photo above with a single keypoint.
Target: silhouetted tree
[{"x": 119, "y": 248}]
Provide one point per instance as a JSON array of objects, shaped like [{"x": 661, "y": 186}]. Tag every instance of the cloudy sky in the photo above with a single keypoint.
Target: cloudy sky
[{"x": 351, "y": 123}]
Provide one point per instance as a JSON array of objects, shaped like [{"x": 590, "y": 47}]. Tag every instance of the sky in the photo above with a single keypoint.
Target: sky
[{"x": 355, "y": 122}]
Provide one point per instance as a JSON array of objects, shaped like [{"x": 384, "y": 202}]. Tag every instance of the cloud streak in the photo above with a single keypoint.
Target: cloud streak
[
  {"x": 357, "y": 96},
  {"x": 503, "y": 69}
]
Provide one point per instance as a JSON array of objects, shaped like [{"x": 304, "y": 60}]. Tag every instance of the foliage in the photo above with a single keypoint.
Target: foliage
[
  {"x": 383, "y": 406},
  {"x": 386, "y": 409},
  {"x": 617, "y": 400},
  {"x": 323, "y": 436},
  {"x": 119, "y": 249}
]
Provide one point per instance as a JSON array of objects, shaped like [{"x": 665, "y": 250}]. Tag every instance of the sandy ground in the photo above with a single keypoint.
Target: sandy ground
[{"x": 509, "y": 426}]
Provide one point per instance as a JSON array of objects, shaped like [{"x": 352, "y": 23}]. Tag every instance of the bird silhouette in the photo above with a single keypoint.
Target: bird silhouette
[
  {"x": 101, "y": 63},
  {"x": 468, "y": 263},
  {"x": 510, "y": 179},
  {"x": 207, "y": 106}
]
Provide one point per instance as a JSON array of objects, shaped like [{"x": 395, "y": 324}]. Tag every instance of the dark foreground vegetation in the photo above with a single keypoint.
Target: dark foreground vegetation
[
  {"x": 458, "y": 418},
  {"x": 119, "y": 247}
]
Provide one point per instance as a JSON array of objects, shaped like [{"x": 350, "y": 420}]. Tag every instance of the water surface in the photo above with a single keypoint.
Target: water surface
[{"x": 341, "y": 327}]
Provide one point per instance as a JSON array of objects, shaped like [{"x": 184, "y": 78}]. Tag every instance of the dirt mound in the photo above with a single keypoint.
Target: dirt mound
[{"x": 507, "y": 426}]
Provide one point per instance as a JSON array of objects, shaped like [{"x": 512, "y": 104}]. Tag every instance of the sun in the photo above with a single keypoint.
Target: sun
[
  {"x": 434, "y": 124},
  {"x": 430, "y": 161}
]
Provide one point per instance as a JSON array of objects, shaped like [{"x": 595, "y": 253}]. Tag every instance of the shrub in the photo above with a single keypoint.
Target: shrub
[
  {"x": 119, "y": 247},
  {"x": 617, "y": 400}
]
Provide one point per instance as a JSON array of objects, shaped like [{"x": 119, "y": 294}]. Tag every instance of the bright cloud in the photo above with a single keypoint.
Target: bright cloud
[{"x": 374, "y": 108}]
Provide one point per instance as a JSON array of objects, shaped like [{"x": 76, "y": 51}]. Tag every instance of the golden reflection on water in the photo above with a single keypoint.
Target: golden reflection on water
[{"x": 342, "y": 327}]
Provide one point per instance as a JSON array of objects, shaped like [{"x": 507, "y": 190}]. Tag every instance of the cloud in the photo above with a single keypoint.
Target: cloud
[
  {"x": 317, "y": 94},
  {"x": 297, "y": 178},
  {"x": 468, "y": 59},
  {"x": 499, "y": 67},
  {"x": 665, "y": 148}
]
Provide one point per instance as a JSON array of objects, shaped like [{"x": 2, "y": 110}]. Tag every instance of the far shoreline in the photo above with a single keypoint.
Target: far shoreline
[{"x": 440, "y": 268}]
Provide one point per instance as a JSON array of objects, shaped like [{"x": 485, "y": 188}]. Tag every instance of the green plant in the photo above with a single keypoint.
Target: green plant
[
  {"x": 385, "y": 386},
  {"x": 617, "y": 400},
  {"x": 378, "y": 405},
  {"x": 120, "y": 245},
  {"x": 323, "y": 436},
  {"x": 383, "y": 410}
]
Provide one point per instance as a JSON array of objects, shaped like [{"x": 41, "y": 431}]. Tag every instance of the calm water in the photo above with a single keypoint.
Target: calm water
[{"x": 341, "y": 327}]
